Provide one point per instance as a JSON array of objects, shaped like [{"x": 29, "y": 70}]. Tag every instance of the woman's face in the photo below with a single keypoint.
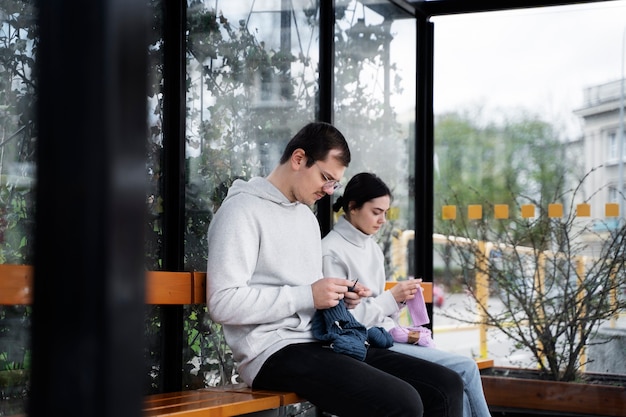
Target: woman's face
[{"x": 371, "y": 216}]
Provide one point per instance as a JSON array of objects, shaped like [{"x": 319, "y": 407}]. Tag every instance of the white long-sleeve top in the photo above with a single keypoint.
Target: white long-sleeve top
[{"x": 350, "y": 253}]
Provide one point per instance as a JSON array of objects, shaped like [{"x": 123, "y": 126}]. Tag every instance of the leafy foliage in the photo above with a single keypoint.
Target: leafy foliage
[
  {"x": 14, "y": 358},
  {"x": 18, "y": 131}
]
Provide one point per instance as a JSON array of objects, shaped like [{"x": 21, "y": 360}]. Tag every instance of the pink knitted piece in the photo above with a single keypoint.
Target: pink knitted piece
[{"x": 417, "y": 309}]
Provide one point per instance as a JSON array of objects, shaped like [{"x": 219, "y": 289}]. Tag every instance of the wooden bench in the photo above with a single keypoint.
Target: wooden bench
[{"x": 182, "y": 288}]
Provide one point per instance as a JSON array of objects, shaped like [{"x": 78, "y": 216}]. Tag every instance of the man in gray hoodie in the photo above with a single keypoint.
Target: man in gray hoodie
[{"x": 264, "y": 284}]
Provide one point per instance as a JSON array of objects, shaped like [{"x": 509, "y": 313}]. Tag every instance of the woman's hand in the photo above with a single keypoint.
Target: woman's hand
[{"x": 406, "y": 290}]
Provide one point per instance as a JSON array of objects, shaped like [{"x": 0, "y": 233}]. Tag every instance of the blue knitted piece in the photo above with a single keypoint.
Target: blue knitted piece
[
  {"x": 339, "y": 327},
  {"x": 379, "y": 337}
]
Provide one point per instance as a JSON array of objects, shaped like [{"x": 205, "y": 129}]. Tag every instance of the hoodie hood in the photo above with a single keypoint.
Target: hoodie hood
[{"x": 258, "y": 187}]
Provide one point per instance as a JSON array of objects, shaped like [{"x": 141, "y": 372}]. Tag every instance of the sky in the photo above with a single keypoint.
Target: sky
[{"x": 537, "y": 61}]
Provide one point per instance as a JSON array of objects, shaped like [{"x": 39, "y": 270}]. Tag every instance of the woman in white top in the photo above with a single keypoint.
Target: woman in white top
[{"x": 350, "y": 251}]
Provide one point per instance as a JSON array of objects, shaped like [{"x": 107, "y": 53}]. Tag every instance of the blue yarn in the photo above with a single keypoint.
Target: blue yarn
[{"x": 379, "y": 337}]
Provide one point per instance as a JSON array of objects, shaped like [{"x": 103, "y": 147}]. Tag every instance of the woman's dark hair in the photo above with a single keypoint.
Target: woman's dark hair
[
  {"x": 317, "y": 139},
  {"x": 361, "y": 188}
]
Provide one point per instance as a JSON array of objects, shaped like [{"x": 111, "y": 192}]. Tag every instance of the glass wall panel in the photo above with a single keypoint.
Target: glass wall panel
[
  {"x": 154, "y": 148},
  {"x": 153, "y": 349},
  {"x": 526, "y": 154},
  {"x": 18, "y": 134},
  {"x": 375, "y": 56},
  {"x": 252, "y": 73},
  {"x": 252, "y": 84}
]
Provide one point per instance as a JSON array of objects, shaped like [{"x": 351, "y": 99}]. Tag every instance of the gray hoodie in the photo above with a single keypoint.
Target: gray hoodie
[{"x": 264, "y": 254}]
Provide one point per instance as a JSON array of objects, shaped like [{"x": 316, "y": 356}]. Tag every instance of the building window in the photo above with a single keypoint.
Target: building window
[
  {"x": 614, "y": 143},
  {"x": 612, "y": 194}
]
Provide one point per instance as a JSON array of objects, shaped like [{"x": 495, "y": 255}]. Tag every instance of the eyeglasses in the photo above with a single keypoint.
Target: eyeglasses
[{"x": 329, "y": 184}]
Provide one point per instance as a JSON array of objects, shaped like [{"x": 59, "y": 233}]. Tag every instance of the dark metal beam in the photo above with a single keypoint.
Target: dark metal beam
[
  {"x": 173, "y": 187},
  {"x": 174, "y": 92},
  {"x": 447, "y": 7},
  {"x": 325, "y": 108},
  {"x": 87, "y": 356},
  {"x": 424, "y": 151}
]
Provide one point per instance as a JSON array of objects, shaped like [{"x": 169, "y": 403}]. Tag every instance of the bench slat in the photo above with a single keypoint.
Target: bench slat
[
  {"x": 286, "y": 397},
  {"x": 426, "y": 286},
  {"x": 164, "y": 287},
  {"x": 16, "y": 283},
  {"x": 199, "y": 287},
  {"x": 484, "y": 363},
  {"x": 208, "y": 403}
]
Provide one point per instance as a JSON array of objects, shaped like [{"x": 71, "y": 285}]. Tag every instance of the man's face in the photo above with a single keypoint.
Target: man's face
[{"x": 320, "y": 178}]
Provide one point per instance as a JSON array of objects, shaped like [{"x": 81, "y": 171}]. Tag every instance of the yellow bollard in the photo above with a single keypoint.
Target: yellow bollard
[{"x": 482, "y": 293}]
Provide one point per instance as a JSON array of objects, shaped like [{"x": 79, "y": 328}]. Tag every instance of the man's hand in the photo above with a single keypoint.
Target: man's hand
[
  {"x": 328, "y": 291},
  {"x": 356, "y": 293}
]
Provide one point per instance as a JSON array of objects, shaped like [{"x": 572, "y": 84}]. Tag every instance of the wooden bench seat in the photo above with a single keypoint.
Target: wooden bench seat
[
  {"x": 210, "y": 402},
  {"x": 181, "y": 288},
  {"x": 285, "y": 397}
]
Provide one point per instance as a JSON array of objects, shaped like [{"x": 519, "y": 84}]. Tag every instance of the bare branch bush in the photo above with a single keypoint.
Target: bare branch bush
[{"x": 558, "y": 278}]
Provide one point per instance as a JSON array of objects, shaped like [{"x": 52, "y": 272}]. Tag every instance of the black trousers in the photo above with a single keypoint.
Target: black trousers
[{"x": 386, "y": 383}]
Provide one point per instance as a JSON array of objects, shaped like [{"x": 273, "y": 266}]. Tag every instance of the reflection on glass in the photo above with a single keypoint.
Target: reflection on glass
[
  {"x": 252, "y": 83},
  {"x": 154, "y": 154},
  {"x": 251, "y": 87},
  {"x": 18, "y": 134},
  {"x": 375, "y": 108}
]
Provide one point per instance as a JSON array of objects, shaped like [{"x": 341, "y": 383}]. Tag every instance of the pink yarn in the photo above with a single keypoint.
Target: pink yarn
[{"x": 401, "y": 335}]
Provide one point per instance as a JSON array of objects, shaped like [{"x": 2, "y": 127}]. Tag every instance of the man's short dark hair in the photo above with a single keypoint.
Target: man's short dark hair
[{"x": 317, "y": 139}]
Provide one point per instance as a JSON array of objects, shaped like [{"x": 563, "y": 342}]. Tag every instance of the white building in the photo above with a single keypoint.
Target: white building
[{"x": 599, "y": 149}]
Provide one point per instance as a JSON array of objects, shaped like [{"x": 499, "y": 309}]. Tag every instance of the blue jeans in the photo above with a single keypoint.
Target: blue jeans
[
  {"x": 474, "y": 404},
  {"x": 386, "y": 383}
]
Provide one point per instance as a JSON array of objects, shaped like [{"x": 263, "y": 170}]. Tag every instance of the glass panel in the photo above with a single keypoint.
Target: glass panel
[
  {"x": 375, "y": 57},
  {"x": 153, "y": 347},
  {"x": 18, "y": 133},
  {"x": 154, "y": 155},
  {"x": 251, "y": 87},
  {"x": 252, "y": 77},
  {"x": 526, "y": 115}
]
